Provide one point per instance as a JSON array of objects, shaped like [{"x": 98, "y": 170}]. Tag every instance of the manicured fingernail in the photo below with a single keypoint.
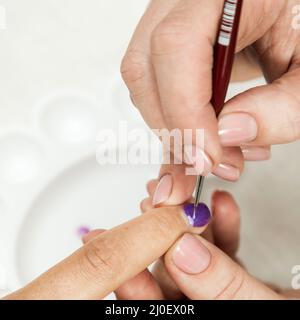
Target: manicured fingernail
[
  {"x": 190, "y": 255},
  {"x": 197, "y": 158},
  {"x": 237, "y": 128},
  {"x": 227, "y": 172},
  {"x": 256, "y": 153},
  {"x": 199, "y": 216},
  {"x": 163, "y": 190}
]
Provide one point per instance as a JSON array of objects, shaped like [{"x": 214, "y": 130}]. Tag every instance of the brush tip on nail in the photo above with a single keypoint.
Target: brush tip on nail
[{"x": 199, "y": 216}]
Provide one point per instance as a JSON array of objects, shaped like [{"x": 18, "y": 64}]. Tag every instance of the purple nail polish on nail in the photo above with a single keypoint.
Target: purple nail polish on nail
[{"x": 198, "y": 216}]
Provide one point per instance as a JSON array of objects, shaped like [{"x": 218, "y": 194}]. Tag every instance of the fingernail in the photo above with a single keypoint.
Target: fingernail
[
  {"x": 163, "y": 190},
  {"x": 197, "y": 158},
  {"x": 237, "y": 128},
  {"x": 227, "y": 172},
  {"x": 199, "y": 216},
  {"x": 190, "y": 255},
  {"x": 256, "y": 153}
]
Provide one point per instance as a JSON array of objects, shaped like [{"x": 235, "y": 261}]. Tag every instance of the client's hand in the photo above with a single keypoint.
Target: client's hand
[
  {"x": 112, "y": 258},
  {"x": 199, "y": 268}
]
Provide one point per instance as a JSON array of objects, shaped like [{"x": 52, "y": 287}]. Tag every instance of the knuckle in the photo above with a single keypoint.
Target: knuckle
[
  {"x": 291, "y": 122},
  {"x": 165, "y": 222},
  {"x": 172, "y": 33},
  {"x": 293, "y": 117},
  {"x": 99, "y": 261},
  {"x": 234, "y": 285}
]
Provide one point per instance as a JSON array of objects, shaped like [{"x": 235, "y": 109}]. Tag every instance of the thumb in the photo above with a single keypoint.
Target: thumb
[{"x": 202, "y": 271}]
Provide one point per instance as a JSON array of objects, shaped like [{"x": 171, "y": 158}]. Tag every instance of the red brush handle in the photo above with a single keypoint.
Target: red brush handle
[
  {"x": 223, "y": 62},
  {"x": 225, "y": 51}
]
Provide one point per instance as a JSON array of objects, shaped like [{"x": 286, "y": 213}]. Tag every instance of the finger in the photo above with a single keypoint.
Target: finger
[
  {"x": 231, "y": 166},
  {"x": 208, "y": 234},
  {"x": 226, "y": 223},
  {"x": 292, "y": 294},
  {"x": 146, "y": 205},
  {"x": 167, "y": 286},
  {"x": 175, "y": 187},
  {"x": 202, "y": 271},
  {"x": 151, "y": 186},
  {"x": 101, "y": 266},
  {"x": 91, "y": 235},
  {"x": 256, "y": 153},
  {"x": 182, "y": 60},
  {"x": 182, "y": 51},
  {"x": 263, "y": 116},
  {"x": 137, "y": 70},
  {"x": 166, "y": 283},
  {"x": 141, "y": 287}
]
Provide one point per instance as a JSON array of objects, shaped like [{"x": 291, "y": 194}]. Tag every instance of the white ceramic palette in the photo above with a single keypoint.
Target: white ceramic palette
[
  {"x": 52, "y": 185},
  {"x": 59, "y": 86}
]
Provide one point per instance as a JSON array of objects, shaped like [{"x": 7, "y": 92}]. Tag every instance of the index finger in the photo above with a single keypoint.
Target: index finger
[{"x": 112, "y": 258}]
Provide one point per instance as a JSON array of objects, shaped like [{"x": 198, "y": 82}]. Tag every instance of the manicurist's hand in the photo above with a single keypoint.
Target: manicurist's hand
[
  {"x": 113, "y": 257},
  {"x": 168, "y": 70},
  {"x": 201, "y": 269},
  {"x": 205, "y": 267}
]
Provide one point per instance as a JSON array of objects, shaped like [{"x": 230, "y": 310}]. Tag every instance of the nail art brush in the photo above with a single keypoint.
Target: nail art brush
[{"x": 224, "y": 53}]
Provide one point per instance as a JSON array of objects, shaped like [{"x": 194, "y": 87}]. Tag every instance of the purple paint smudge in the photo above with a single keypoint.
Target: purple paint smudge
[{"x": 82, "y": 230}]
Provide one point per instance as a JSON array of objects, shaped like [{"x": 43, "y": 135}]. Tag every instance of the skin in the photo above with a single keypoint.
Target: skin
[
  {"x": 222, "y": 234},
  {"x": 111, "y": 258},
  {"x": 101, "y": 265},
  {"x": 168, "y": 70},
  {"x": 225, "y": 269}
]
